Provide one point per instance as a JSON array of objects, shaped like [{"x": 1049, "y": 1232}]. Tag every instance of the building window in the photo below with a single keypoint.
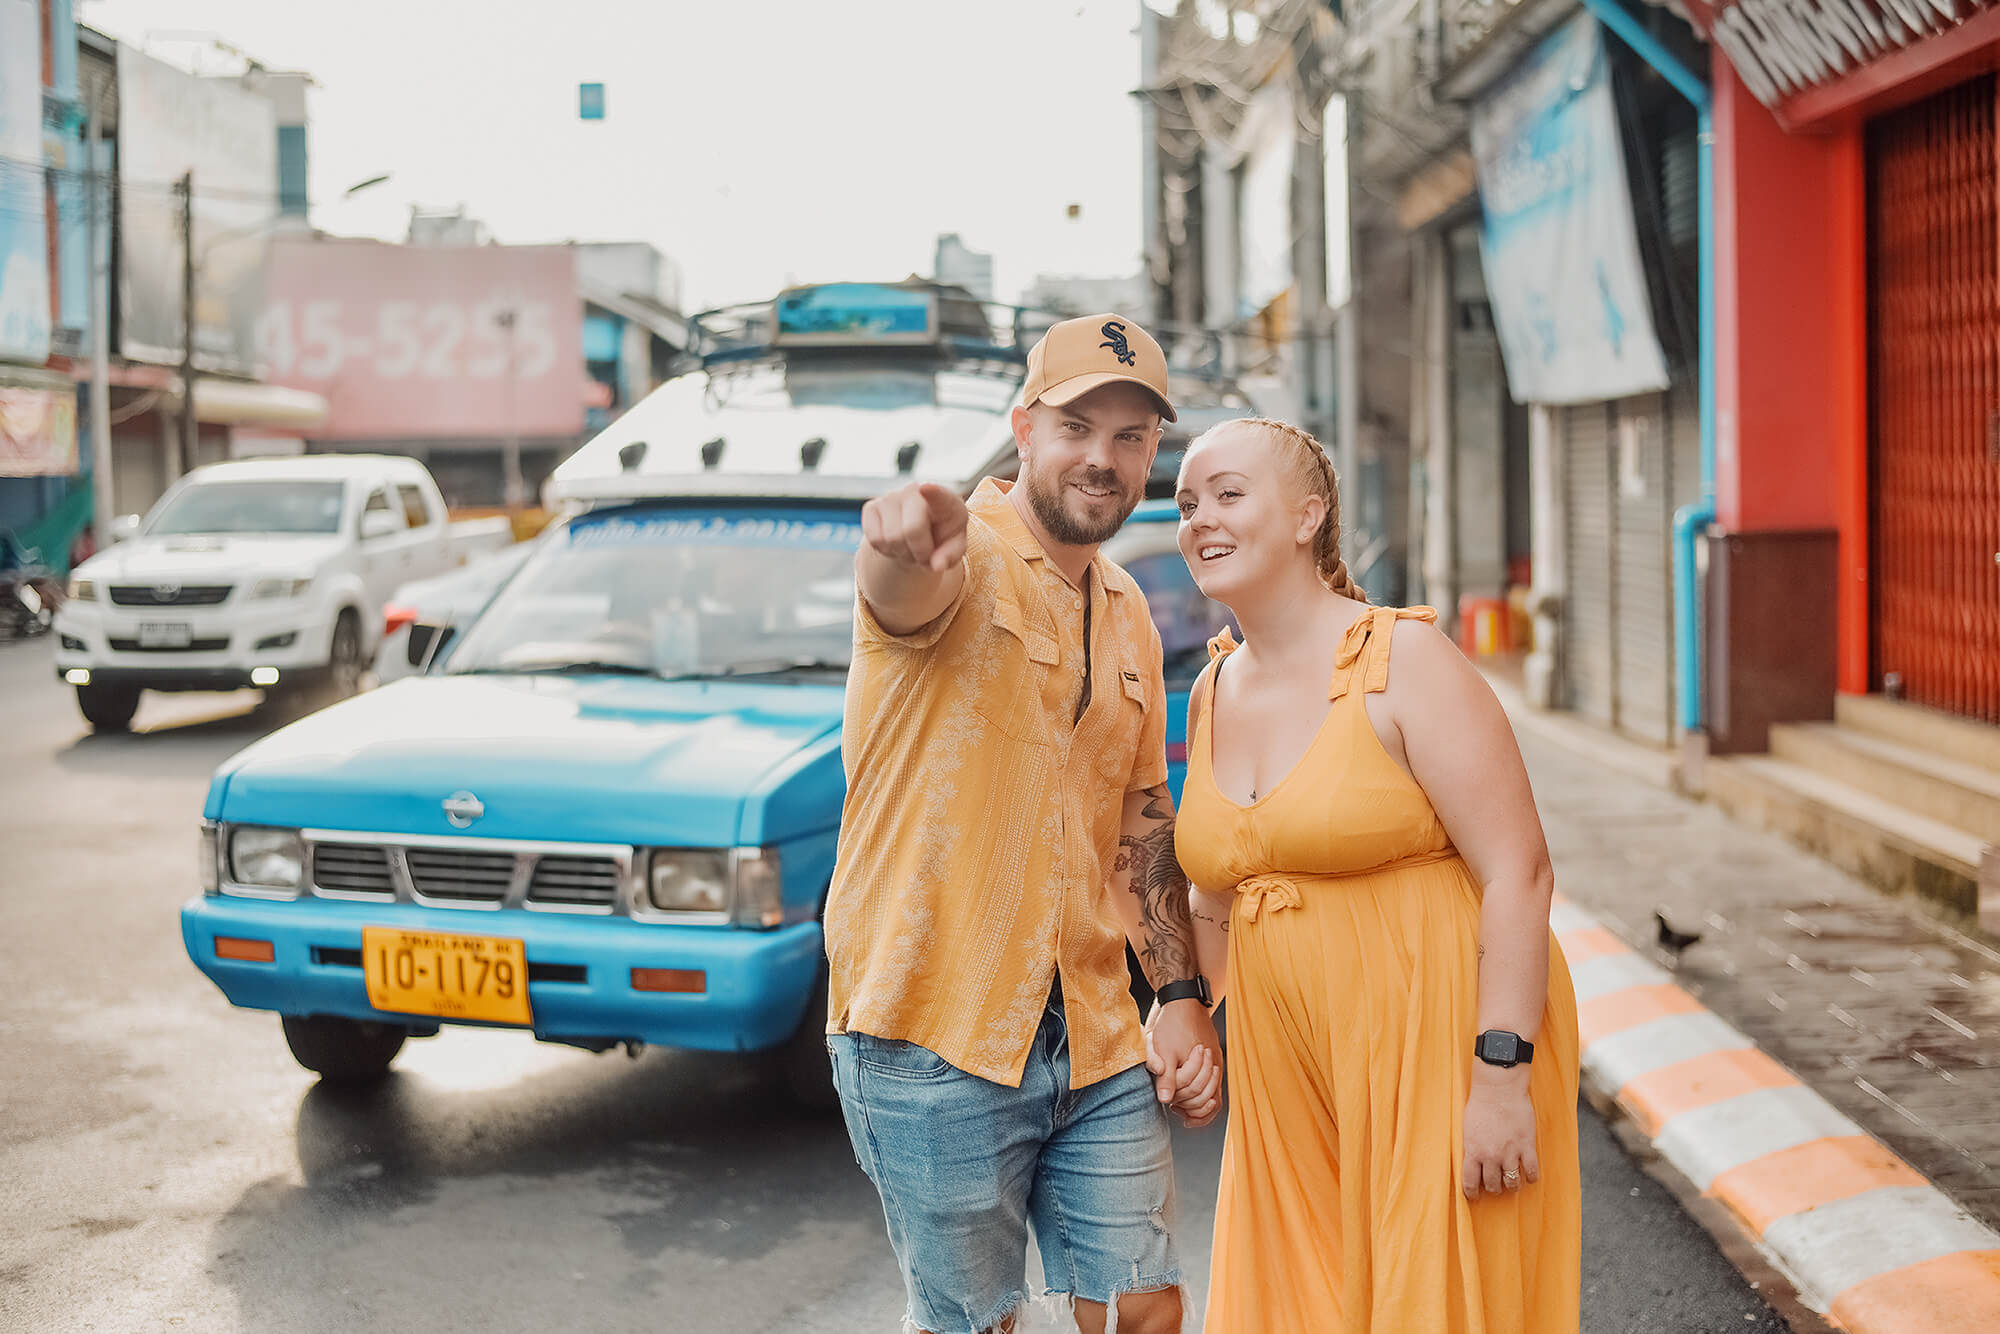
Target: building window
[{"x": 292, "y": 169}]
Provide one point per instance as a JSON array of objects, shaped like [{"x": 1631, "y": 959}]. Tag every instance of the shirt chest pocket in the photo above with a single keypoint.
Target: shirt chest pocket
[
  {"x": 1022, "y": 658},
  {"x": 1118, "y": 757}
]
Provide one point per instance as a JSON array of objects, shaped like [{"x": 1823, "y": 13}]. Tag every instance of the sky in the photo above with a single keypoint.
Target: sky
[{"x": 755, "y": 142}]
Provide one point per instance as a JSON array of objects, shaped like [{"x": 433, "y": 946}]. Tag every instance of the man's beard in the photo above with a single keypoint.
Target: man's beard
[{"x": 1047, "y": 502}]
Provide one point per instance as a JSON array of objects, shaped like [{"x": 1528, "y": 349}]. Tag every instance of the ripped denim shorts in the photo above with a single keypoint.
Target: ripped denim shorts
[{"x": 966, "y": 1166}]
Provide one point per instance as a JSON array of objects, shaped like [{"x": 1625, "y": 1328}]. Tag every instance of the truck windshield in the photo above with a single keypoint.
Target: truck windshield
[
  {"x": 1186, "y": 619},
  {"x": 252, "y": 507},
  {"x": 676, "y": 594}
]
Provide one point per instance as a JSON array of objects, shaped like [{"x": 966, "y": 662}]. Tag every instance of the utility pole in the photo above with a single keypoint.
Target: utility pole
[
  {"x": 188, "y": 451},
  {"x": 103, "y": 504},
  {"x": 510, "y": 458}
]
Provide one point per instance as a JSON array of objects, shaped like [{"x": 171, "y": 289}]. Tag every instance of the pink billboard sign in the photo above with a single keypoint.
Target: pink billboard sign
[{"x": 415, "y": 342}]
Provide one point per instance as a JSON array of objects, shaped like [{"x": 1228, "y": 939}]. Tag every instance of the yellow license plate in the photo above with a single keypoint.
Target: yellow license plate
[{"x": 445, "y": 974}]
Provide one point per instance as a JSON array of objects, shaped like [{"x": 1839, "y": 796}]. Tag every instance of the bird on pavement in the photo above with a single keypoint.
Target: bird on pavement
[{"x": 1670, "y": 939}]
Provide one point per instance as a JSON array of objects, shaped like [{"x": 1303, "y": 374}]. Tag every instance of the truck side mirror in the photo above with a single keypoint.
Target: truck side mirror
[
  {"x": 427, "y": 641},
  {"x": 124, "y": 528}
]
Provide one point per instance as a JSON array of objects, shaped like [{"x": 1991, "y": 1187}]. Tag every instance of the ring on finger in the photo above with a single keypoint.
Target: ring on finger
[{"x": 1511, "y": 1178}]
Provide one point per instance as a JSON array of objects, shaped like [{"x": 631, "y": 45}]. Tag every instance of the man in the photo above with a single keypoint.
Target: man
[{"x": 1007, "y": 829}]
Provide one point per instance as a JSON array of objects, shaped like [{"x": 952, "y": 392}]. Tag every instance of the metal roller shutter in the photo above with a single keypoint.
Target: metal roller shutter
[
  {"x": 1589, "y": 621},
  {"x": 1934, "y": 362},
  {"x": 1642, "y": 451}
]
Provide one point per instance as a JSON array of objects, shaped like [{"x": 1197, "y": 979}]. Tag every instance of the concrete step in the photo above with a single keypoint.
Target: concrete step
[
  {"x": 1933, "y": 730},
  {"x": 1887, "y": 845},
  {"x": 1941, "y": 788}
]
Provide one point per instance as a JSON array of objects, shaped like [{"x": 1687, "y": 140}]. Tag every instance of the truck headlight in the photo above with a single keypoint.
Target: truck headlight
[
  {"x": 690, "y": 880},
  {"x": 82, "y": 590},
  {"x": 742, "y": 884},
  {"x": 266, "y": 858},
  {"x": 279, "y": 588},
  {"x": 205, "y": 856}
]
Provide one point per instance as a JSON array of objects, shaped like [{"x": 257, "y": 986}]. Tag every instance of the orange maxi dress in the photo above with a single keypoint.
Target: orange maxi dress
[{"x": 1352, "y": 1009}]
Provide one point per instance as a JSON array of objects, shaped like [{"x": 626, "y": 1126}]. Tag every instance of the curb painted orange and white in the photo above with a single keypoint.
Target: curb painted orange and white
[{"x": 1865, "y": 1238}]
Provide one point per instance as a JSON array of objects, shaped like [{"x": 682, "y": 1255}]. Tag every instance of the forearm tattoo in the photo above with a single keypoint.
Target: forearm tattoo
[
  {"x": 1162, "y": 887},
  {"x": 1210, "y": 918}
]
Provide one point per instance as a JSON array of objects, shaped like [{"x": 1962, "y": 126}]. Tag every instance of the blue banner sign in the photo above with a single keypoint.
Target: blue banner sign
[
  {"x": 25, "y": 325},
  {"x": 1561, "y": 256},
  {"x": 860, "y": 313}
]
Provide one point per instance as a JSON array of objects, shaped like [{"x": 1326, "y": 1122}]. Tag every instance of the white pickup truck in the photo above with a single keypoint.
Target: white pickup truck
[{"x": 260, "y": 572}]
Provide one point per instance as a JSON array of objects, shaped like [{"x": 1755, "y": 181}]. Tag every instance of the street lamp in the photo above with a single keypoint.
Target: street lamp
[{"x": 190, "y": 267}]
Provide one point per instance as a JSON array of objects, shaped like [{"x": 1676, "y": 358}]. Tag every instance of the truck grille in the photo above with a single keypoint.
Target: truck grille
[
  {"x": 353, "y": 869},
  {"x": 192, "y": 646},
  {"x": 169, "y": 595},
  {"x": 467, "y": 877},
  {"x": 454, "y": 876},
  {"x": 579, "y": 881}
]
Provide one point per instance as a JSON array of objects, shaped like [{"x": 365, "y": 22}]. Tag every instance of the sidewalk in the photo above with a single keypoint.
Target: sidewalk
[{"x": 1812, "y": 1014}]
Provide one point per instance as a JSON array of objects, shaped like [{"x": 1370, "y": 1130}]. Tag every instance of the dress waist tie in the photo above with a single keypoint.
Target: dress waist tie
[{"x": 1276, "y": 890}]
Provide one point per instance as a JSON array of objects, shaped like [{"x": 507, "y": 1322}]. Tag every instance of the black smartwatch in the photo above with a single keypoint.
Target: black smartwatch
[
  {"x": 1193, "y": 988},
  {"x": 1496, "y": 1046}
]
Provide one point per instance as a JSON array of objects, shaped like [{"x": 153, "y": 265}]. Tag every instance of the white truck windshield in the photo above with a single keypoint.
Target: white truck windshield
[{"x": 252, "y": 507}]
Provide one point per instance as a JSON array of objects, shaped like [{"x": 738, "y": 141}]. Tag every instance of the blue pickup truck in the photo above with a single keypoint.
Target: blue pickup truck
[{"x": 606, "y": 812}]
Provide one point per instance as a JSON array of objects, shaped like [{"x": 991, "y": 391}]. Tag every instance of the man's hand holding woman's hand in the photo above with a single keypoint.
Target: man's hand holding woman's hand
[{"x": 1184, "y": 1056}]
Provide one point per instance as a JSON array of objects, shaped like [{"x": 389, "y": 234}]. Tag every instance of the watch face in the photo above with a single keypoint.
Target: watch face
[{"x": 1504, "y": 1047}]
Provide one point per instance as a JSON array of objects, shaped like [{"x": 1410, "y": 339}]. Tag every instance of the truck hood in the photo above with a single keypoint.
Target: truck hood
[
  {"x": 224, "y": 558},
  {"x": 584, "y": 759}
]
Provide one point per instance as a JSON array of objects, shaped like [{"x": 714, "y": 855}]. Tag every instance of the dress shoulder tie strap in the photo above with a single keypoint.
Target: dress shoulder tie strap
[
  {"x": 1220, "y": 647},
  {"x": 1364, "y": 649}
]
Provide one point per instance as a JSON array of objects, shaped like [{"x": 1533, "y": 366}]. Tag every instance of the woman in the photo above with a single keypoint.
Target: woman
[{"x": 1373, "y": 887}]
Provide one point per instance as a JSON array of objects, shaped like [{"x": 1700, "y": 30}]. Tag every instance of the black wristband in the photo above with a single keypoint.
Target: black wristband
[{"x": 1193, "y": 988}]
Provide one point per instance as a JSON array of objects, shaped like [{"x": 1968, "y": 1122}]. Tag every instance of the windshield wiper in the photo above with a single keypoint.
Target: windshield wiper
[
  {"x": 762, "y": 667},
  {"x": 561, "y": 669}
]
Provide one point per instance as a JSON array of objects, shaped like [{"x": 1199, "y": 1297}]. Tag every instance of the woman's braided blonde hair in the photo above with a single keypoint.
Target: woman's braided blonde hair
[{"x": 1312, "y": 472}]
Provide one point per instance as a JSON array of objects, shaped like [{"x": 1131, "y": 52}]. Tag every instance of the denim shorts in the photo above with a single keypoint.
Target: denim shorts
[{"x": 965, "y": 1166}]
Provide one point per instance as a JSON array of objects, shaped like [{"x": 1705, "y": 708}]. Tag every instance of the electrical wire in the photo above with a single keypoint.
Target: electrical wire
[{"x": 126, "y": 183}]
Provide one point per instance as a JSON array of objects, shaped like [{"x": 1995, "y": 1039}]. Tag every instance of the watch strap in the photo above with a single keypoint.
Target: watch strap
[{"x": 1192, "y": 988}]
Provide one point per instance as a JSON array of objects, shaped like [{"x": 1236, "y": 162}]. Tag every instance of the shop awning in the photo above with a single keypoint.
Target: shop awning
[{"x": 245, "y": 403}]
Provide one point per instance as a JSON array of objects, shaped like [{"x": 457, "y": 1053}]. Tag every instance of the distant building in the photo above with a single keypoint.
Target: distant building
[
  {"x": 241, "y": 138},
  {"x": 1068, "y": 294},
  {"x": 488, "y": 362},
  {"x": 446, "y": 227},
  {"x": 961, "y": 266}
]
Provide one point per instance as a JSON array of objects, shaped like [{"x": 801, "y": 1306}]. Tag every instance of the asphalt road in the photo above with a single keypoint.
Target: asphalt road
[{"x": 165, "y": 1165}]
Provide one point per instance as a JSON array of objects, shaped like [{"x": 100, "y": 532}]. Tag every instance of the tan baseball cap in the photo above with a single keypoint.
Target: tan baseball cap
[{"x": 1079, "y": 355}]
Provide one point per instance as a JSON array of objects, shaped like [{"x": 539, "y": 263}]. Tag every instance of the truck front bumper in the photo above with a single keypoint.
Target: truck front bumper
[
  {"x": 226, "y": 643},
  {"x": 757, "y": 983}
]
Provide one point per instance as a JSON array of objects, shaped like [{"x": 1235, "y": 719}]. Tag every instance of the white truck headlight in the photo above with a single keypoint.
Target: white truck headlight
[
  {"x": 740, "y": 883},
  {"x": 266, "y": 858},
  {"x": 692, "y": 880},
  {"x": 82, "y": 590},
  {"x": 279, "y": 588}
]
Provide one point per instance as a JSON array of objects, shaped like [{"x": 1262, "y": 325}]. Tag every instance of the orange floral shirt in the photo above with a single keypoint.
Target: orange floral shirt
[{"x": 983, "y": 813}]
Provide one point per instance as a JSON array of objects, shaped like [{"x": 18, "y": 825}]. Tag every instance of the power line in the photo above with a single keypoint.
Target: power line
[{"x": 128, "y": 184}]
